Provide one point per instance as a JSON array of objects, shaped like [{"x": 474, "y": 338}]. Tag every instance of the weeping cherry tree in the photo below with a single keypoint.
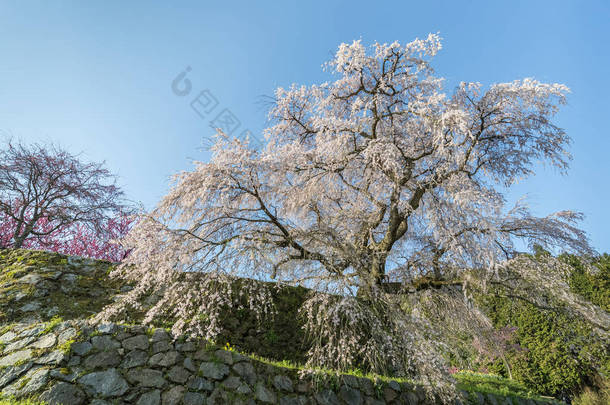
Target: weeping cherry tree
[{"x": 377, "y": 176}]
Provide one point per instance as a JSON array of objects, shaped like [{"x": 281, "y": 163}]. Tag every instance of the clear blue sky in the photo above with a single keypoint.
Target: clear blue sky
[{"x": 96, "y": 76}]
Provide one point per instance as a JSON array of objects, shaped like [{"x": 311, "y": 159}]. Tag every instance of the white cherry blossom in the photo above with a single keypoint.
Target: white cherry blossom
[{"x": 380, "y": 174}]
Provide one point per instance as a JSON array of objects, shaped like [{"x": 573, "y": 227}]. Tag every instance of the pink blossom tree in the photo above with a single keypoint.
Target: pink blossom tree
[
  {"x": 378, "y": 175},
  {"x": 76, "y": 239},
  {"x": 108, "y": 245},
  {"x": 50, "y": 199}
]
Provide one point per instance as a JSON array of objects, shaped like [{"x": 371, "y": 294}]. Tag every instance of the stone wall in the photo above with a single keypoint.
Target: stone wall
[
  {"x": 49, "y": 351},
  {"x": 116, "y": 364}
]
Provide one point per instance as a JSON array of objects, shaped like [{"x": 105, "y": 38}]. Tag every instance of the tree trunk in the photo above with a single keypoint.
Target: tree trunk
[
  {"x": 18, "y": 242},
  {"x": 372, "y": 276},
  {"x": 20, "y": 238},
  {"x": 377, "y": 271}
]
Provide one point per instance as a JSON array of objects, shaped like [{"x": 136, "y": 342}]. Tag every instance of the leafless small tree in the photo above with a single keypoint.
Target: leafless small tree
[{"x": 43, "y": 183}]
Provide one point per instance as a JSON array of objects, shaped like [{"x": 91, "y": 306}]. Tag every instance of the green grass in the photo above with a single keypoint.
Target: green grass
[
  {"x": 275, "y": 363},
  {"x": 66, "y": 347},
  {"x": 287, "y": 364},
  {"x": 493, "y": 384},
  {"x": 467, "y": 381}
]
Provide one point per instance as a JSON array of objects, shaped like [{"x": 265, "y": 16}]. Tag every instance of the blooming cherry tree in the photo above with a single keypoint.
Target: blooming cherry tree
[
  {"x": 75, "y": 239},
  {"x": 50, "y": 199},
  {"x": 379, "y": 175}
]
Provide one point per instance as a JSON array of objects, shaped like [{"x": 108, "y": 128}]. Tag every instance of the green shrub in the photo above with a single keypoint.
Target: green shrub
[
  {"x": 560, "y": 354},
  {"x": 593, "y": 286}
]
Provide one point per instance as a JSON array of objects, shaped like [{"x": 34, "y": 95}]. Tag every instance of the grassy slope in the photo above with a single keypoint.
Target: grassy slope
[{"x": 88, "y": 293}]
